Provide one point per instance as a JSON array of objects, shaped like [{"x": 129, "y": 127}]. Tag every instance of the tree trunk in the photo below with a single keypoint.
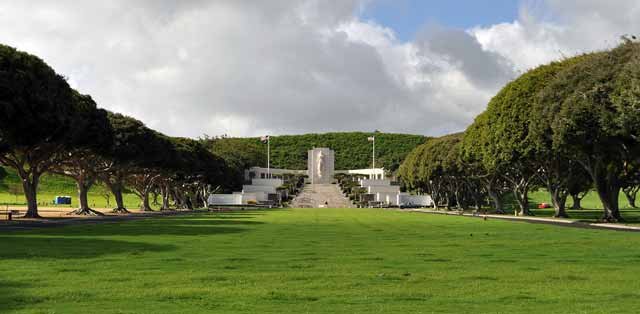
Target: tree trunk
[
  {"x": 83, "y": 186},
  {"x": 608, "y": 189},
  {"x": 630, "y": 194},
  {"x": 30, "y": 188},
  {"x": 165, "y": 197},
  {"x": 116, "y": 190},
  {"x": 559, "y": 200},
  {"x": 577, "y": 201},
  {"x": 522, "y": 199},
  {"x": 497, "y": 202},
  {"x": 145, "y": 207},
  {"x": 609, "y": 198}
]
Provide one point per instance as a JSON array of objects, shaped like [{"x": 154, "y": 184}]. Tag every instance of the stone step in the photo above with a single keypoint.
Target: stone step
[{"x": 315, "y": 195}]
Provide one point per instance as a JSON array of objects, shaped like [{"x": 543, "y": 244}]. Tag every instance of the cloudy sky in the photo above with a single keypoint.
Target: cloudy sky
[{"x": 247, "y": 68}]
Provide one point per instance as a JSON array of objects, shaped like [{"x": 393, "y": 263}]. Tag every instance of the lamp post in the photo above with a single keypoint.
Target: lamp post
[
  {"x": 373, "y": 155},
  {"x": 267, "y": 139}
]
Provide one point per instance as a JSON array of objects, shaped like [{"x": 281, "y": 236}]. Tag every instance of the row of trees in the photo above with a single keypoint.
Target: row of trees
[
  {"x": 46, "y": 126},
  {"x": 567, "y": 126}
]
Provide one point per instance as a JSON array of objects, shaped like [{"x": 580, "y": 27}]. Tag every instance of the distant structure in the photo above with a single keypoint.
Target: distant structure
[
  {"x": 382, "y": 192},
  {"x": 265, "y": 181},
  {"x": 320, "y": 168},
  {"x": 321, "y": 165}
]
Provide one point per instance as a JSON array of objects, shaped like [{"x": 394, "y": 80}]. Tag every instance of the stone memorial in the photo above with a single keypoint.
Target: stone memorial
[{"x": 321, "y": 165}]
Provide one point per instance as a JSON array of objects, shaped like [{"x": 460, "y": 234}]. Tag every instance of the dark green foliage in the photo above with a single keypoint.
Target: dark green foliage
[
  {"x": 594, "y": 113},
  {"x": 239, "y": 154},
  {"x": 352, "y": 149},
  {"x": 35, "y": 102}
]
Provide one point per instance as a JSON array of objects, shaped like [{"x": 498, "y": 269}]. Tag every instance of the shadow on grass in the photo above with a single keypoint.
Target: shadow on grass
[
  {"x": 153, "y": 227},
  {"x": 28, "y": 247},
  {"x": 12, "y": 298}
]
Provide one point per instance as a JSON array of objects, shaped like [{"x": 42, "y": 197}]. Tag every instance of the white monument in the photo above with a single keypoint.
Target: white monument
[{"x": 321, "y": 165}]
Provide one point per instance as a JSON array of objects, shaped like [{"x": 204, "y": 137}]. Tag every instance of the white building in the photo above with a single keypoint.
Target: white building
[{"x": 387, "y": 194}]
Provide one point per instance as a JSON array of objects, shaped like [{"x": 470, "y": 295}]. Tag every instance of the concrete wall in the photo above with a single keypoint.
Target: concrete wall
[
  {"x": 225, "y": 199},
  {"x": 369, "y": 182},
  {"x": 414, "y": 200},
  {"x": 387, "y": 198},
  {"x": 268, "y": 182},
  {"x": 383, "y": 189},
  {"x": 258, "y": 188}
]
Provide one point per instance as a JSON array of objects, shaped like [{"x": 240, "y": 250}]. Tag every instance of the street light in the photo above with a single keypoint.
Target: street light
[{"x": 373, "y": 164}]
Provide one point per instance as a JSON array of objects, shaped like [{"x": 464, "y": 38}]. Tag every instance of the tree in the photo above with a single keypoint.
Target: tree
[
  {"x": 556, "y": 171},
  {"x": 36, "y": 114},
  {"x": 593, "y": 106},
  {"x": 239, "y": 154},
  {"x": 513, "y": 151},
  {"x": 89, "y": 157},
  {"x": 134, "y": 148},
  {"x": 436, "y": 167},
  {"x": 475, "y": 145}
]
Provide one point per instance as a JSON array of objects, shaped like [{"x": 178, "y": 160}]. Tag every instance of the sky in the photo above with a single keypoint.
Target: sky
[{"x": 249, "y": 68}]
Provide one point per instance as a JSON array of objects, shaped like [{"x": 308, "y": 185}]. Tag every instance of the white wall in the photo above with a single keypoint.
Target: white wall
[
  {"x": 415, "y": 200},
  {"x": 258, "y": 188},
  {"x": 387, "y": 198},
  {"x": 369, "y": 182},
  {"x": 373, "y": 189},
  {"x": 224, "y": 199},
  {"x": 268, "y": 182}
]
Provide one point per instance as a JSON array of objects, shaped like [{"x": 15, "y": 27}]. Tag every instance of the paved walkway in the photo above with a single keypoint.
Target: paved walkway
[
  {"x": 315, "y": 195},
  {"x": 544, "y": 220}
]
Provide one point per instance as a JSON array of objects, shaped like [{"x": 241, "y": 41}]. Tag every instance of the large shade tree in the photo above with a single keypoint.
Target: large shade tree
[
  {"x": 89, "y": 156},
  {"x": 475, "y": 145},
  {"x": 135, "y": 148},
  {"x": 36, "y": 116},
  {"x": 595, "y": 118}
]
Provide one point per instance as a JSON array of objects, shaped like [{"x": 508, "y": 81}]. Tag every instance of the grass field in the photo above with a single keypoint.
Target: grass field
[
  {"x": 55, "y": 185},
  {"x": 319, "y": 261}
]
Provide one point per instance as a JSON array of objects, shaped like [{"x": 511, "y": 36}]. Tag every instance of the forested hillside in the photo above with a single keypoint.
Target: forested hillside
[{"x": 352, "y": 149}]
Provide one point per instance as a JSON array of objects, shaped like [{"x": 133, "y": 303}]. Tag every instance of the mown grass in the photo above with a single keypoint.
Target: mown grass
[{"x": 319, "y": 261}]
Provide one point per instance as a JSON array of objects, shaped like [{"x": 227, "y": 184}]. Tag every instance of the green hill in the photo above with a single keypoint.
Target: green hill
[{"x": 352, "y": 149}]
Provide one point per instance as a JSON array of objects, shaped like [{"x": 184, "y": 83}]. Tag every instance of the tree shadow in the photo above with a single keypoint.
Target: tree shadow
[
  {"x": 37, "y": 247},
  {"x": 152, "y": 226},
  {"x": 12, "y": 299}
]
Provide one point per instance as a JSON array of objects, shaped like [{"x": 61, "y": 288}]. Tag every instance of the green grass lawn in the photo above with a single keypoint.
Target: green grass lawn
[
  {"x": 319, "y": 261},
  {"x": 55, "y": 185}
]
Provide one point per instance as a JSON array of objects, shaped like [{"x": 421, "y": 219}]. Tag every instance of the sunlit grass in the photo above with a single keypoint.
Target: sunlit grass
[{"x": 319, "y": 261}]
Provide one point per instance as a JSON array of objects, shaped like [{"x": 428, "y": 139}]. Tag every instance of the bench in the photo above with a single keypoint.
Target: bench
[{"x": 10, "y": 213}]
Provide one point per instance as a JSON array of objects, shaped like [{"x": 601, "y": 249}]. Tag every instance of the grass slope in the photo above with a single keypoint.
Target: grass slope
[{"x": 319, "y": 261}]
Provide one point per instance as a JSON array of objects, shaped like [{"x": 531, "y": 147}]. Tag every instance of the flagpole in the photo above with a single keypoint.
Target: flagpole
[{"x": 373, "y": 170}]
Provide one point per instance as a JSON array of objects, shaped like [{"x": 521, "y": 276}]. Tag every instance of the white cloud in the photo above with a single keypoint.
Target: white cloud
[{"x": 283, "y": 66}]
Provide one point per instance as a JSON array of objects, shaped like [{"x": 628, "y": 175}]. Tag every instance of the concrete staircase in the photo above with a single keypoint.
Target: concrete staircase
[{"x": 314, "y": 195}]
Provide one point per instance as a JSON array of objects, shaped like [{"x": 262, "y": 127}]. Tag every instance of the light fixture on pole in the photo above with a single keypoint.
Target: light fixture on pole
[
  {"x": 373, "y": 155},
  {"x": 267, "y": 139}
]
